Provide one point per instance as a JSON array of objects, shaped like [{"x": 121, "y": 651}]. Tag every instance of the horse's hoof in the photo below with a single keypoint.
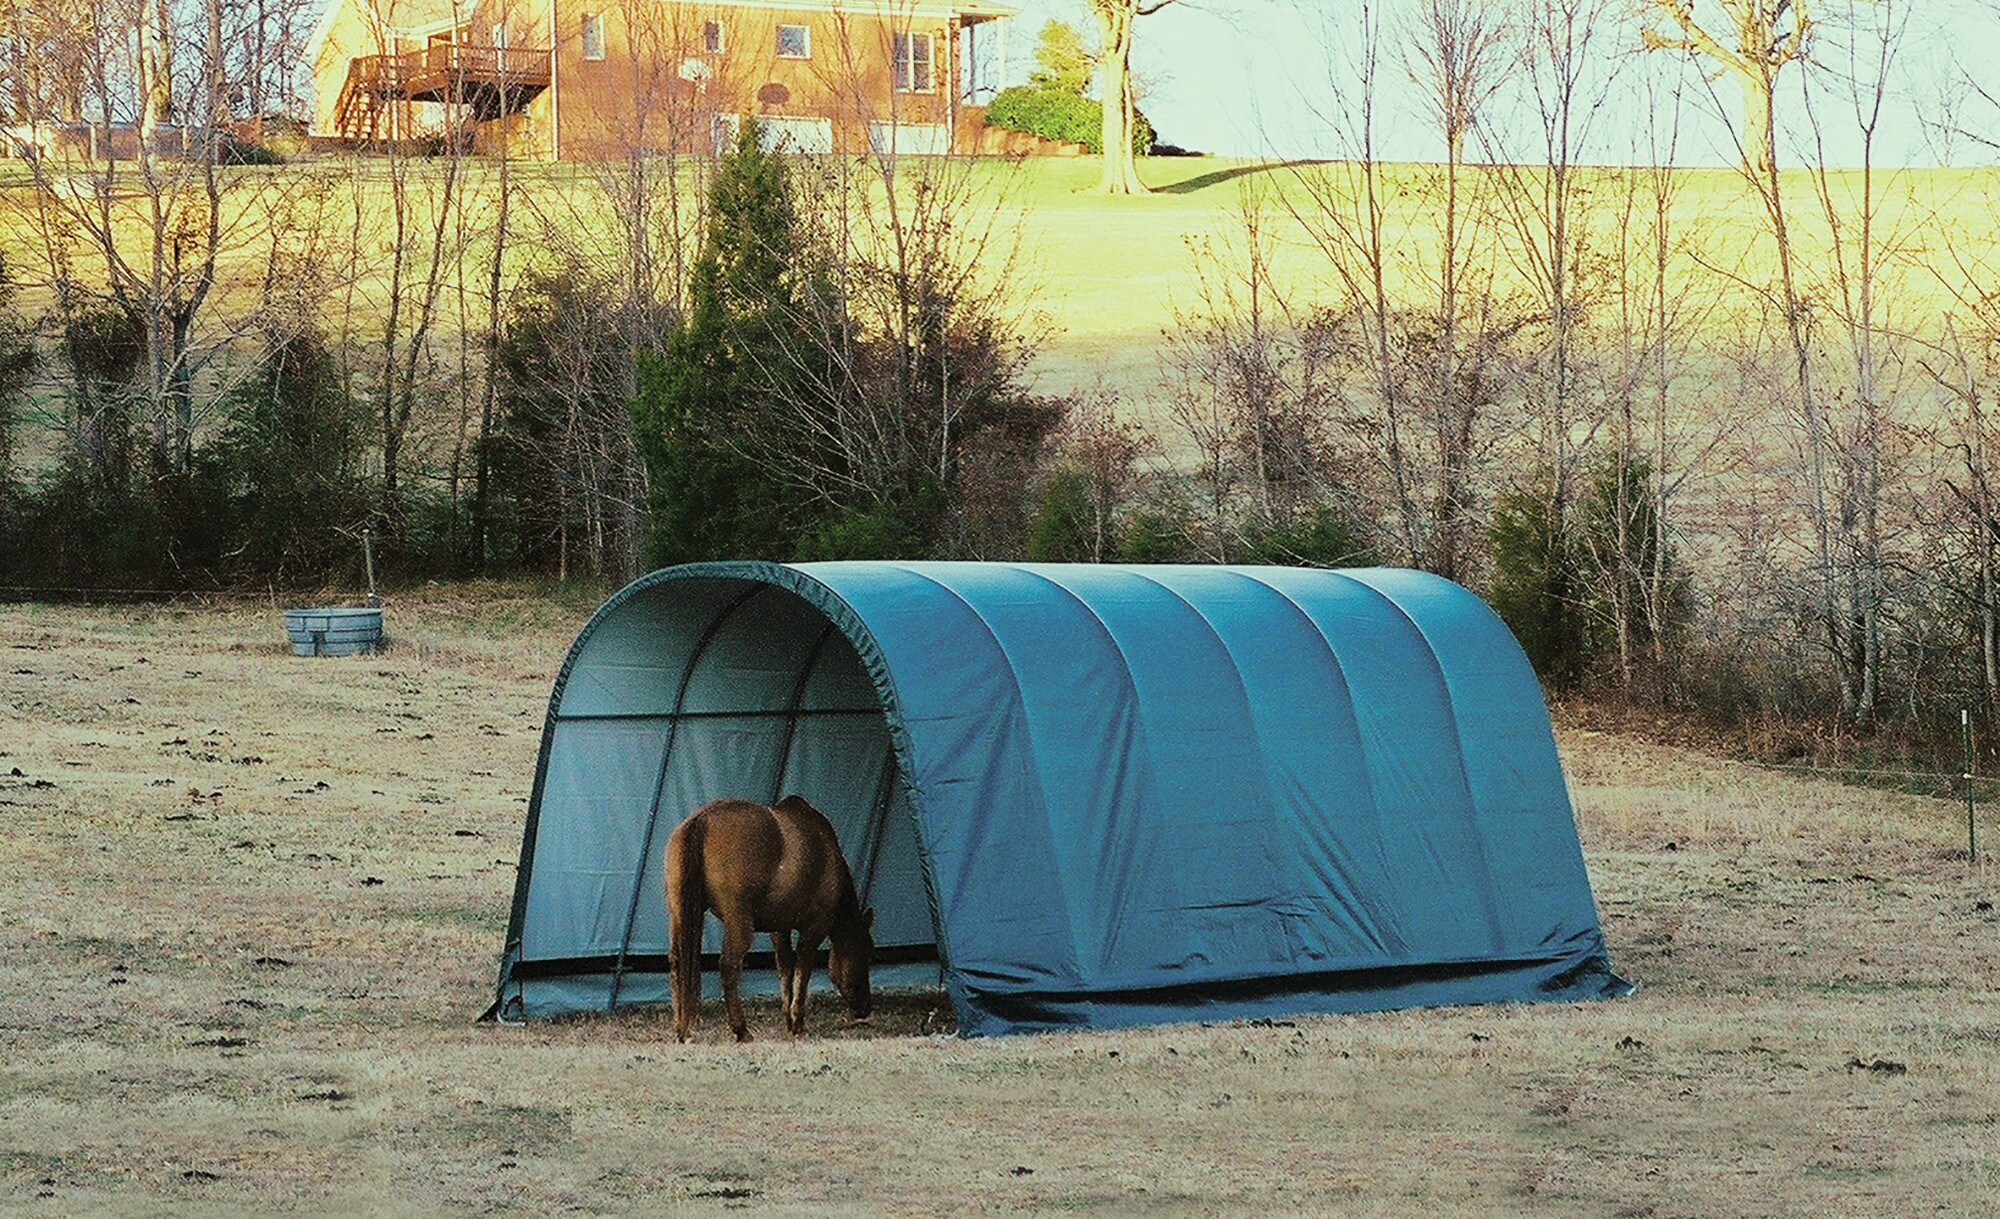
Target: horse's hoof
[{"x": 742, "y": 1034}]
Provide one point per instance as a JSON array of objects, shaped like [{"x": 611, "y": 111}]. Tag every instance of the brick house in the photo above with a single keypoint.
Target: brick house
[{"x": 582, "y": 79}]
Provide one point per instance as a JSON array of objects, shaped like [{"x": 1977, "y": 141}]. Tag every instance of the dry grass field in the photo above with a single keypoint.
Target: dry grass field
[{"x": 251, "y": 904}]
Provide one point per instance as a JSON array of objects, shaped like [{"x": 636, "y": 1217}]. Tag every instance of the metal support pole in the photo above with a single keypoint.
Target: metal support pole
[
  {"x": 368, "y": 556},
  {"x": 1971, "y": 826}
]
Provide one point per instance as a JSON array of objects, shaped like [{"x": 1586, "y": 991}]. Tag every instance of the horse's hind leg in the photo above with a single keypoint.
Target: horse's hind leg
[
  {"x": 685, "y": 913},
  {"x": 737, "y": 929},
  {"x": 802, "y": 975}
]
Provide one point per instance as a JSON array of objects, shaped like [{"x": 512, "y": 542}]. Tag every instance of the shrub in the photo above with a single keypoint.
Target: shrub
[
  {"x": 563, "y": 466},
  {"x": 1064, "y": 528},
  {"x": 242, "y": 152},
  {"x": 855, "y": 533},
  {"x": 1325, "y": 537},
  {"x": 292, "y": 458},
  {"x": 1161, "y": 533},
  {"x": 1056, "y": 115},
  {"x": 1538, "y": 581},
  {"x": 286, "y": 137},
  {"x": 1559, "y": 577}
]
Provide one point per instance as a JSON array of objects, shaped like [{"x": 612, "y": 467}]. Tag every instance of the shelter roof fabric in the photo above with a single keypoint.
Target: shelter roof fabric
[{"x": 1133, "y": 794}]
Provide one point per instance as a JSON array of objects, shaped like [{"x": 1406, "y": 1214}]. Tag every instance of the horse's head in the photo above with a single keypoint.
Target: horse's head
[{"x": 847, "y": 962}]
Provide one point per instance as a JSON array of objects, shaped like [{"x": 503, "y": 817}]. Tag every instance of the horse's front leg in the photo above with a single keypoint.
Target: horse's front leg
[
  {"x": 736, "y": 933},
  {"x": 781, "y": 947},
  {"x": 795, "y": 1019}
]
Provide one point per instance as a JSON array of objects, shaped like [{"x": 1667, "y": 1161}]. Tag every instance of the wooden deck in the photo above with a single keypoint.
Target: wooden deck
[{"x": 490, "y": 81}]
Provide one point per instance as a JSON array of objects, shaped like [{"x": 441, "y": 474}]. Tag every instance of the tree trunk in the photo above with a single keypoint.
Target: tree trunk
[
  {"x": 1121, "y": 166},
  {"x": 156, "y": 68},
  {"x": 1759, "y": 137}
]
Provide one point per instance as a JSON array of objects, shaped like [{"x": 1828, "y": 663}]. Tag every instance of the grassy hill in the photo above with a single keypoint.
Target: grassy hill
[{"x": 1103, "y": 276}]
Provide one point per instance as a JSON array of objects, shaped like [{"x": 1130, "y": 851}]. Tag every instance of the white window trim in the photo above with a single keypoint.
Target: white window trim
[
  {"x": 583, "y": 37},
  {"x": 907, "y": 39},
  {"x": 803, "y": 29}
]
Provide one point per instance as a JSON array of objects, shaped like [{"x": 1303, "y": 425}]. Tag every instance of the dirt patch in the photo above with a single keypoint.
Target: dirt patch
[{"x": 250, "y": 904}]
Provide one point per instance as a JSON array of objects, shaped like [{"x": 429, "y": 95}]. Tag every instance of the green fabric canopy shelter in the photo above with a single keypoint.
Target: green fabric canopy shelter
[{"x": 1082, "y": 795}]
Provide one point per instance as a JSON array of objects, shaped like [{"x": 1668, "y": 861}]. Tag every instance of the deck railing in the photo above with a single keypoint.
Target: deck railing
[{"x": 446, "y": 63}]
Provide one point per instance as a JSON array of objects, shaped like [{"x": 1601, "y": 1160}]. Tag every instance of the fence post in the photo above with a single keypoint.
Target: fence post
[{"x": 1971, "y": 826}]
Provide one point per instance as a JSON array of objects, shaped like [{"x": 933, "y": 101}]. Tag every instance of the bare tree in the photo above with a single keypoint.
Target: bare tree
[
  {"x": 1455, "y": 55},
  {"x": 1427, "y": 363},
  {"x": 1769, "y": 35},
  {"x": 631, "y": 215},
  {"x": 46, "y": 64},
  {"x": 1657, "y": 314},
  {"x": 1248, "y": 386},
  {"x": 159, "y": 224},
  {"x": 1752, "y": 42},
  {"x": 1346, "y": 214},
  {"x": 424, "y": 243},
  {"x": 1560, "y": 81},
  {"x": 1961, "y": 363},
  {"x": 1860, "y": 244}
]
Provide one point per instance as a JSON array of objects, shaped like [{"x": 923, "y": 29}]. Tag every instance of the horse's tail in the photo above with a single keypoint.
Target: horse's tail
[{"x": 687, "y": 903}]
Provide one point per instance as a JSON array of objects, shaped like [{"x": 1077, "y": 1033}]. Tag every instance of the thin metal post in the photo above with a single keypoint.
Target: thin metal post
[
  {"x": 1971, "y": 825},
  {"x": 792, "y": 710},
  {"x": 879, "y": 825},
  {"x": 368, "y": 556}
]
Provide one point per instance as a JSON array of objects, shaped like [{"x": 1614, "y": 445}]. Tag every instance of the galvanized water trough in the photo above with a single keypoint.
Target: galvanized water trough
[{"x": 334, "y": 630}]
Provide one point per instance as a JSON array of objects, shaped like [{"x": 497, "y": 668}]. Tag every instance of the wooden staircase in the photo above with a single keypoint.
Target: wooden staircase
[{"x": 485, "y": 82}]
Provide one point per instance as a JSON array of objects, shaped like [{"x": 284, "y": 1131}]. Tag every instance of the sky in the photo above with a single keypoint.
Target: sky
[{"x": 1250, "y": 78}]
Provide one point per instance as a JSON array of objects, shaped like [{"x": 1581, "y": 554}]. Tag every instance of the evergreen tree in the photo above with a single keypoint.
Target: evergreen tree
[
  {"x": 724, "y": 365},
  {"x": 291, "y": 460},
  {"x": 1562, "y": 583},
  {"x": 1537, "y": 582},
  {"x": 1643, "y": 585}
]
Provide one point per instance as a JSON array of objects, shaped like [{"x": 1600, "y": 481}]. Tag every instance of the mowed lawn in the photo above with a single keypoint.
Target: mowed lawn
[{"x": 250, "y": 905}]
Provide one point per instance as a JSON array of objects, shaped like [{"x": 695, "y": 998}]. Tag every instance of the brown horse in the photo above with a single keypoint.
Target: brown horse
[{"x": 775, "y": 868}]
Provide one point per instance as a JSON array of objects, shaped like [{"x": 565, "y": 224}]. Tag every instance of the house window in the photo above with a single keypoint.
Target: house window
[
  {"x": 711, "y": 37},
  {"x": 593, "y": 35},
  {"x": 794, "y": 42},
  {"x": 913, "y": 63}
]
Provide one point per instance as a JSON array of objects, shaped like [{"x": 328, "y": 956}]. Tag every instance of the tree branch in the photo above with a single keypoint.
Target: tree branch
[{"x": 1695, "y": 38}]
